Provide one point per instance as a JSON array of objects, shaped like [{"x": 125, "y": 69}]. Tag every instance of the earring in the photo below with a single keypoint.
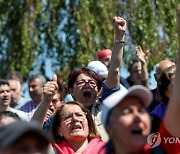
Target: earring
[{"x": 60, "y": 133}]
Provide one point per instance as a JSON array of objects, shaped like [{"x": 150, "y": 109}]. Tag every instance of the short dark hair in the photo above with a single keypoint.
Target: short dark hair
[
  {"x": 83, "y": 70},
  {"x": 57, "y": 121},
  {"x": 164, "y": 81},
  {"x": 4, "y": 82},
  {"x": 4, "y": 114}
]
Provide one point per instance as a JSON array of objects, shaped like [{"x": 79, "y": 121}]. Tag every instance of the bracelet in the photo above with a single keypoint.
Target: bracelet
[{"x": 119, "y": 41}]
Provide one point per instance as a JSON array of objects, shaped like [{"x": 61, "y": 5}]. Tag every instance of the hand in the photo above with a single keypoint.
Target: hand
[
  {"x": 48, "y": 114},
  {"x": 141, "y": 55},
  {"x": 120, "y": 26},
  {"x": 50, "y": 89}
]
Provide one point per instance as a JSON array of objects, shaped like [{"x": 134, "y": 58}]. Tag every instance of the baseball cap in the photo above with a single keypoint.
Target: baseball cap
[
  {"x": 141, "y": 92},
  {"x": 103, "y": 53},
  {"x": 9, "y": 134},
  {"x": 98, "y": 67}
]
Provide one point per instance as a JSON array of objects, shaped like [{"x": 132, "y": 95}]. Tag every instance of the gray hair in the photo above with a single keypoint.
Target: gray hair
[{"x": 41, "y": 78}]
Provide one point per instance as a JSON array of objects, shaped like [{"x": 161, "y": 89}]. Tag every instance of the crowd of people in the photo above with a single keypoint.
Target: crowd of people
[{"x": 107, "y": 114}]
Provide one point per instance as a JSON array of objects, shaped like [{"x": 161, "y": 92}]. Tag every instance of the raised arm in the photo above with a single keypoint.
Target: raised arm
[
  {"x": 144, "y": 71},
  {"x": 119, "y": 29},
  {"x": 172, "y": 118},
  {"x": 49, "y": 90}
]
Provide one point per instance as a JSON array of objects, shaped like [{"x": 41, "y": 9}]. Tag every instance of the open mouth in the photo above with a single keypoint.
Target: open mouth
[
  {"x": 51, "y": 109},
  {"x": 5, "y": 99},
  {"x": 87, "y": 94},
  {"x": 137, "y": 132},
  {"x": 76, "y": 127}
]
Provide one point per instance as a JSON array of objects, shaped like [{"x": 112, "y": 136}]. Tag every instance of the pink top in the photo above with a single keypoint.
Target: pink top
[{"x": 93, "y": 147}]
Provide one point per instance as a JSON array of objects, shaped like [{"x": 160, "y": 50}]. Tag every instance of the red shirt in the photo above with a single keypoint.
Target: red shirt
[
  {"x": 169, "y": 148},
  {"x": 93, "y": 147}
]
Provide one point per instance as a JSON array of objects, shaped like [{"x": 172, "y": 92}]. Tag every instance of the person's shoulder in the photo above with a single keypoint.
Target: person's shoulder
[
  {"x": 21, "y": 114},
  {"x": 28, "y": 103},
  {"x": 122, "y": 88},
  {"x": 159, "y": 108},
  {"x": 107, "y": 148},
  {"x": 23, "y": 100},
  {"x": 95, "y": 145},
  {"x": 97, "y": 140},
  {"x": 167, "y": 145}
]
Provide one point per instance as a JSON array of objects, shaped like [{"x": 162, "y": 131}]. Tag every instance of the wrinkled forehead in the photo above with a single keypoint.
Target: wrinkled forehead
[{"x": 71, "y": 108}]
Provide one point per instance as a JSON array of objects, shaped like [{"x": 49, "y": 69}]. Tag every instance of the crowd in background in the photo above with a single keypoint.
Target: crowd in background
[{"x": 97, "y": 110}]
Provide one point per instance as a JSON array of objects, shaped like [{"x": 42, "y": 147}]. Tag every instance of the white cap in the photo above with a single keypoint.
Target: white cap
[
  {"x": 98, "y": 67},
  {"x": 141, "y": 92}
]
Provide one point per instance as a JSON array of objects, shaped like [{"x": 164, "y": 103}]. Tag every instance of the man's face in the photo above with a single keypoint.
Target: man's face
[
  {"x": 56, "y": 102},
  {"x": 85, "y": 90},
  {"x": 5, "y": 95},
  {"x": 160, "y": 67},
  {"x": 35, "y": 89},
  {"x": 136, "y": 68},
  {"x": 106, "y": 61},
  {"x": 15, "y": 87}
]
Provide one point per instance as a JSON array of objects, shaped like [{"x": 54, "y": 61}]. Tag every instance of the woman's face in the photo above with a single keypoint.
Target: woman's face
[
  {"x": 74, "y": 124},
  {"x": 130, "y": 124},
  {"x": 85, "y": 90}
]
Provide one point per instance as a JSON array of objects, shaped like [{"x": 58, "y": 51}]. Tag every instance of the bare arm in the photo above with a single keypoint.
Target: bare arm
[
  {"x": 49, "y": 90},
  {"x": 172, "y": 118},
  {"x": 113, "y": 74},
  {"x": 143, "y": 58}
]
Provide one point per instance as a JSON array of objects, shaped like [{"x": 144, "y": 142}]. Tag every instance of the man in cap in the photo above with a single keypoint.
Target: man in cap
[
  {"x": 105, "y": 57},
  {"x": 128, "y": 123}
]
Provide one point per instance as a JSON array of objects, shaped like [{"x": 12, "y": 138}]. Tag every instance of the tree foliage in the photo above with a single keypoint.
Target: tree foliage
[{"x": 71, "y": 32}]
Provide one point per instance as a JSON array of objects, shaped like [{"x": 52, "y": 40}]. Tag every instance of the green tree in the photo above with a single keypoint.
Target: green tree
[{"x": 71, "y": 32}]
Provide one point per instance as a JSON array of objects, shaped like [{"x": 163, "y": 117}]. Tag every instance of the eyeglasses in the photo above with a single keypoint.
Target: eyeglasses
[
  {"x": 69, "y": 117},
  {"x": 82, "y": 83}
]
